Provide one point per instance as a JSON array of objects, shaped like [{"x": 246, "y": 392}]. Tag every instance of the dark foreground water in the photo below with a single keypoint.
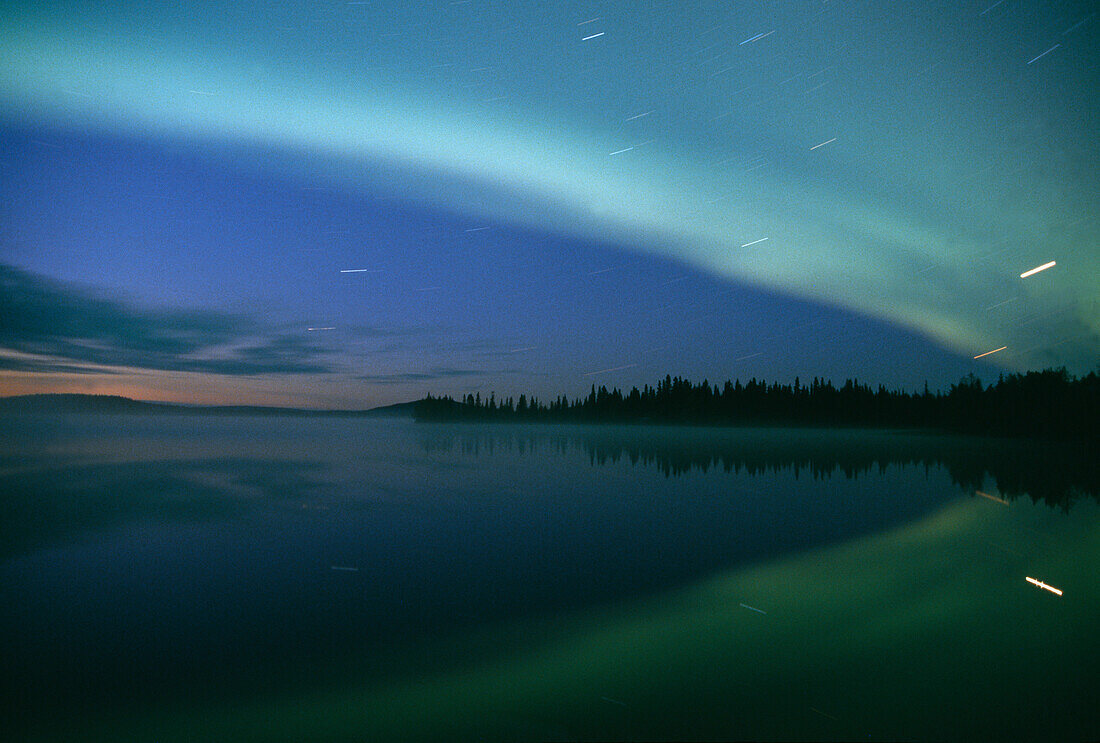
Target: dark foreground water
[{"x": 205, "y": 578}]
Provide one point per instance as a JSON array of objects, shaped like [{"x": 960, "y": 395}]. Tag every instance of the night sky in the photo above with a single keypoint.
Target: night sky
[{"x": 348, "y": 204}]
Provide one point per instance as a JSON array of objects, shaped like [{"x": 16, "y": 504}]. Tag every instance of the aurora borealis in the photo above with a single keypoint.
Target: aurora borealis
[{"x": 538, "y": 193}]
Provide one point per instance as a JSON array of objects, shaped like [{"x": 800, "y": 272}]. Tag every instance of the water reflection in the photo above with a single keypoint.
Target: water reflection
[
  {"x": 348, "y": 580},
  {"x": 48, "y": 502},
  {"x": 1052, "y": 473}
]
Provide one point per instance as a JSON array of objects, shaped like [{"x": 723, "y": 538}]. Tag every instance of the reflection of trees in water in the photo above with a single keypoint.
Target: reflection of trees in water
[{"x": 1055, "y": 474}]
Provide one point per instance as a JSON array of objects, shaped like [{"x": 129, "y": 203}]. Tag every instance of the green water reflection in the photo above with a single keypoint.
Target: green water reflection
[
  {"x": 911, "y": 619},
  {"x": 926, "y": 633}
]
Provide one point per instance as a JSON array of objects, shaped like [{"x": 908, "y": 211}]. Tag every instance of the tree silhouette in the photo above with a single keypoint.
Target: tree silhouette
[{"x": 1042, "y": 404}]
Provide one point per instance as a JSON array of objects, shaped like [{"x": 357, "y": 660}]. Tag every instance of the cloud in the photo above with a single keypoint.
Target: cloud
[
  {"x": 67, "y": 328},
  {"x": 893, "y": 220},
  {"x": 40, "y": 365},
  {"x": 378, "y": 331},
  {"x": 432, "y": 375}
]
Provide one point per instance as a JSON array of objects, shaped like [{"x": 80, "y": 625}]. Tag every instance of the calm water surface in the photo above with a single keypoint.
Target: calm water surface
[{"x": 281, "y": 579}]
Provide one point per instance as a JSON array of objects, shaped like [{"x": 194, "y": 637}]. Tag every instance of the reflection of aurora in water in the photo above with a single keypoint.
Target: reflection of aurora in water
[
  {"x": 926, "y": 633},
  {"x": 177, "y": 584},
  {"x": 1053, "y": 473}
]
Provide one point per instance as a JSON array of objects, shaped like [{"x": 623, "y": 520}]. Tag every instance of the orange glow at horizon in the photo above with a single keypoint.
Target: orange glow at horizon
[{"x": 189, "y": 388}]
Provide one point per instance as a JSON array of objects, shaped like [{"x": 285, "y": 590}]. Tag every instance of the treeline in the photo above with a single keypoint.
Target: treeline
[{"x": 1048, "y": 404}]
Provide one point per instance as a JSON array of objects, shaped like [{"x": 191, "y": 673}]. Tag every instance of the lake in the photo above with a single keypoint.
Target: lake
[{"x": 275, "y": 578}]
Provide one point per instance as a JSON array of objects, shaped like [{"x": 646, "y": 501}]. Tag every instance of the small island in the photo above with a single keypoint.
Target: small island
[{"x": 1049, "y": 404}]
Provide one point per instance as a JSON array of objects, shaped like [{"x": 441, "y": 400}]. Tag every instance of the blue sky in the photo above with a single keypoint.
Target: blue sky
[{"x": 540, "y": 193}]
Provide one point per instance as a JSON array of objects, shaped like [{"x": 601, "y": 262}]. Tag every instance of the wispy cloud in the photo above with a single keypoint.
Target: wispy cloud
[
  {"x": 434, "y": 374},
  {"x": 68, "y": 328},
  {"x": 36, "y": 364},
  {"x": 399, "y": 331}
]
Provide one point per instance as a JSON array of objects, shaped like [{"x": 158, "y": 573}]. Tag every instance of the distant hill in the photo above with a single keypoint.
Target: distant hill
[
  {"x": 75, "y": 403},
  {"x": 397, "y": 410}
]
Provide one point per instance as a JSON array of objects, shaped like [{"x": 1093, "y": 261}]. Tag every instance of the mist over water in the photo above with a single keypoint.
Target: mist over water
[{"x": 367, "y": 578}]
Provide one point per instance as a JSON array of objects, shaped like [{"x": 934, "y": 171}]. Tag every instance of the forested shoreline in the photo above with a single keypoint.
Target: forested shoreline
[{"x": 1046, "y": 404}]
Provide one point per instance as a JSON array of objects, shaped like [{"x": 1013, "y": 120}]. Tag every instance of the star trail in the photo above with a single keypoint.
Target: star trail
[{"x": 904, "y": 162}]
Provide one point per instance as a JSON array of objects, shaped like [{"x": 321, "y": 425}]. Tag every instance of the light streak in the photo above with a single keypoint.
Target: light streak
[
  {"x": 345, "y": 568},
  {"x": 758, "y": 37},
  {"x": 476, "y": 229},
  {"x": 753, "y": 608},
  {"x": 750, "y": 356},
  {"x": 614, "y": 368},
  {"x": 590, "y": 20},
  {"x": 638, "y": 116},
  {"x": 995, "y": 350},
  {"x": 822, "y": 144},
  {"x": 329, "y": 328},
  {"x": 521, "y": 350},
  {"x": 360, "y": 270},
  {"x": 1044, "y": 586},
  {"x": 991, "y": 497},
  {"x": 1048, "y": 51},
  {"x": 1077, "y": 25},
  {"x": 586, "y": 38},
  {"x": 619, "y": 152},
  {"x": 754, "y": 242},
  {"x": 1037, "y": 269},
  {"x": 613, "y": 701}
]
